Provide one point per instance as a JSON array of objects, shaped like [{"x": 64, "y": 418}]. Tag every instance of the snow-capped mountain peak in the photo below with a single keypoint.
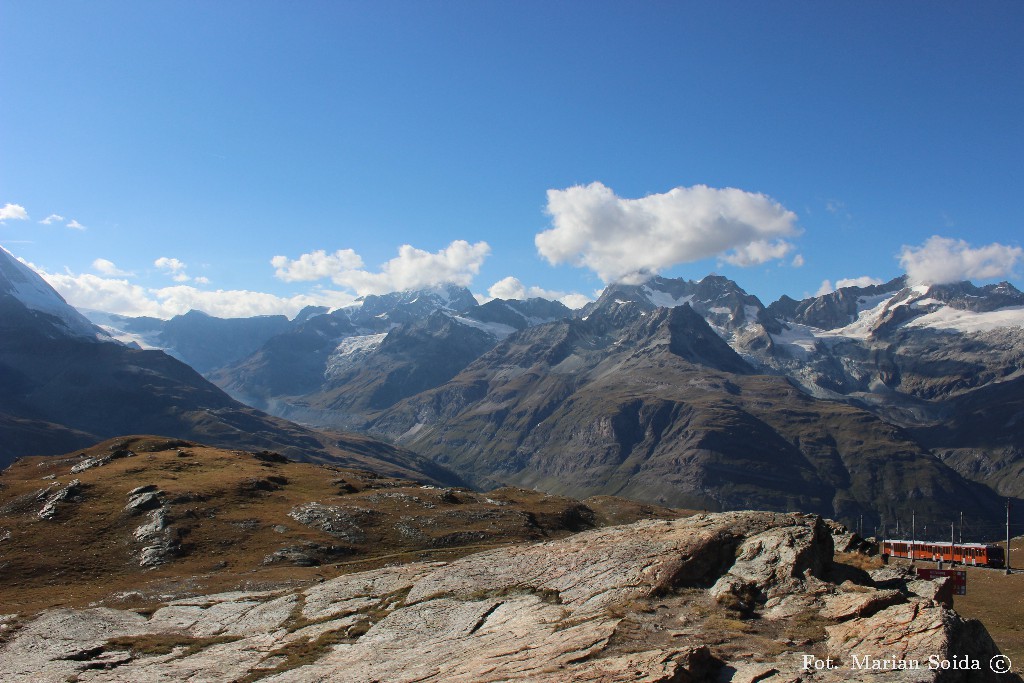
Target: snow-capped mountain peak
[{"x": 20, "y": 284}]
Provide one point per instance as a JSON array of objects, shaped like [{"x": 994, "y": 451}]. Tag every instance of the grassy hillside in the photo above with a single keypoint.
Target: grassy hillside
[{"x": 218, "y": 519}]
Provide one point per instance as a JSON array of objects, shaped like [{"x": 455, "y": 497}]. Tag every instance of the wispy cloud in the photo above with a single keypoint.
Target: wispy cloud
[
  {"x": 942, "y": 260},
  {"x": 57, "y": 218},
  {"x": 13, "y": 212},
  {"x": 412, "y": 269},
  {"x": 631, "y": 239}
]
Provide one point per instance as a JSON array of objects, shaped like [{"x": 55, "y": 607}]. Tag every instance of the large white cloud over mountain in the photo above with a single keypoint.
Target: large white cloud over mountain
[
  {"x": 118, "y": 295},
  {"x": 942, "y": 260},
  {"x": 412, "y": 269},
  {"x": 630, "y": 239}
]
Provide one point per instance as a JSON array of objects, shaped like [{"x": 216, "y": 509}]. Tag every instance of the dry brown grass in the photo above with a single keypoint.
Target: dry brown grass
[
  {"x": 859, "y": 561},
  {"x": 997, "y": 600},
  {"x": 165, "y": 643},
  {"x": 231, "y": 509},
  {"x": 302, "y": 652}
]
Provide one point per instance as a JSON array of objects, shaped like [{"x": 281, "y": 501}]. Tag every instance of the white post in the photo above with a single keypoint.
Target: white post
[
  {"x": 913, "y": 535},
  {"x": 1007, "y": 535}
]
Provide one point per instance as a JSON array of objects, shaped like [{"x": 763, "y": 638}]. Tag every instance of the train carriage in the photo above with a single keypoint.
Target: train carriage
[{"x": 975, "y": 554}]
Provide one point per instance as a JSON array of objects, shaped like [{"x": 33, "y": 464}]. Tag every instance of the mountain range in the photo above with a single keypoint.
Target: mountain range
[
  {"x": 68, "y": 384},
  {"x": 868, "y": 403}
]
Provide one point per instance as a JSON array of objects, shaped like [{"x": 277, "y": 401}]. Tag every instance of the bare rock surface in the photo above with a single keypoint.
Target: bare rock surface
[
  {"x": 848, "y": 605},
  {"x": 643, "y": 602},
  {"x": 70, "y": 493},
  {"x": 914, "y": 632}
]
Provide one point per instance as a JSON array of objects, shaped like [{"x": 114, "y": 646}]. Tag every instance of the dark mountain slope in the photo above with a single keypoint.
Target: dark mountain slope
[
  {"x": 655, "y": 406},
  {"x": 100, "y": 390},
  {"x": 206, "y": 342},
  {"x": 982, "y": 436},
  {"x": 411, "y": 358},
  {"x": 288, "y": 364},
  {"x": 65, "y": 385}
]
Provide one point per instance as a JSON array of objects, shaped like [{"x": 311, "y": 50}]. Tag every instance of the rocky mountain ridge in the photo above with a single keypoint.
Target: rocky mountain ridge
[
  {"x": 653, "y": 404},
  {"x": 481, "y": 387},
  {"x": 338, "y": 370}
]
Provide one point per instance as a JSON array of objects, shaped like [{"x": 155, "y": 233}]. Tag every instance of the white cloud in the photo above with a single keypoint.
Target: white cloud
[
  {"x": 411, "y": 269},
  {"x": 512, "y": 288},
  {"x": 52, "y": 218},
  {"x": 631, "y": 239},
  {"x": 173, "y": 267},
  {"x": 862, "y": 281},
  {"x": 13, "y": 212},
  {"x": 114, "y": 295},
  {"x": 169, "y": 264},
  {"x": 75, "y": 225},
  {"x": 942, "y": 260},
  {"x": 758, "y": 252},
  {"x": 106, "y": 267},
  {"x": 105, "y": 294},
  {"x": 315, "y": 265},
  {"x": 241, "y": 303},
  {"x": 798, "y": 261},
  {"x": 201, "y": 280},
  {"x": 575, "y": 301}
]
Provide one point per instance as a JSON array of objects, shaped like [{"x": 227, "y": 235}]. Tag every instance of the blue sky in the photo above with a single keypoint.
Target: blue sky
[{"x": 213, "y": 137}]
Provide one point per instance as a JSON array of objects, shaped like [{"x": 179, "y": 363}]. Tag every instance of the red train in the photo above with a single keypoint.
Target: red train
[{"x": 975, "y": 554}]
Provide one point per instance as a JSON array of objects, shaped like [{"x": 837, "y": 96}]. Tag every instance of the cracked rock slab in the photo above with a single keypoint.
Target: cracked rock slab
[{"x": 579, "y": 609}]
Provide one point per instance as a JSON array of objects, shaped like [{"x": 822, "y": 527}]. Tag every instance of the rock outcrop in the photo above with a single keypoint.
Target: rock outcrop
[{"x": 643, "y": 602}]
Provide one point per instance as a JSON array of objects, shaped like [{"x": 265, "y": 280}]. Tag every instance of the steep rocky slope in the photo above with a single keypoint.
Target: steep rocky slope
[
  {"x": 738, "y": 596},
  {"x": 340, "y": 370},
  {"x": 890, "y": 343},
  {"x": 945, "y": 362},
  {"x": 651, "y": 403},
  {"x": 981, "y": 435}
]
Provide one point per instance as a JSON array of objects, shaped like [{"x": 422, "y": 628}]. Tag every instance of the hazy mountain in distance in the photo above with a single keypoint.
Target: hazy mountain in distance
[{"x": 66, "y": 385}]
